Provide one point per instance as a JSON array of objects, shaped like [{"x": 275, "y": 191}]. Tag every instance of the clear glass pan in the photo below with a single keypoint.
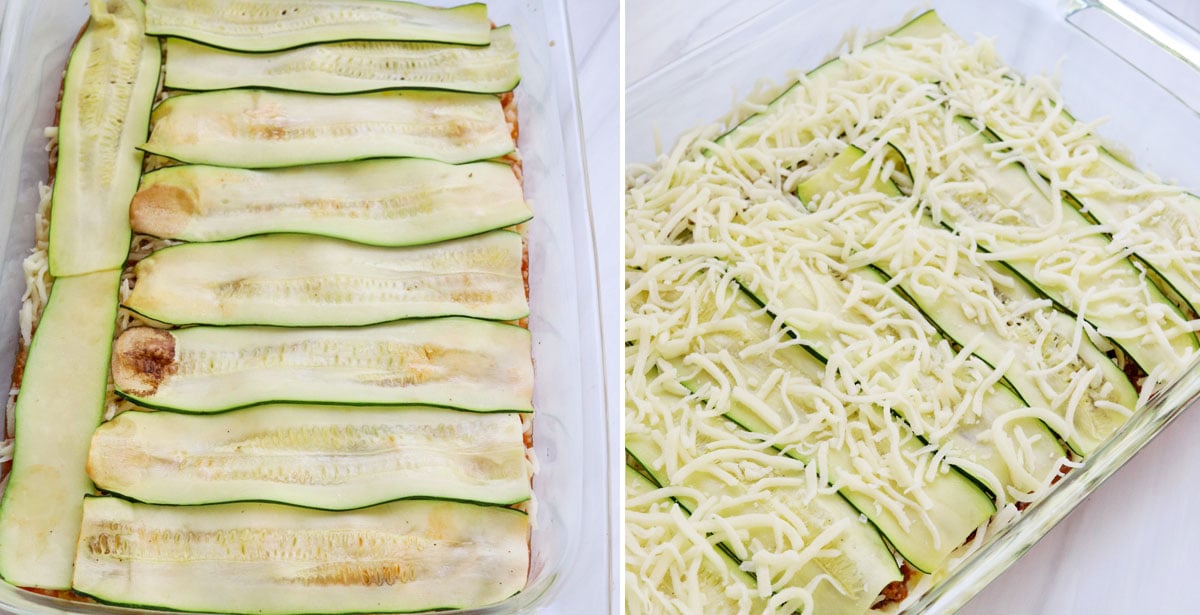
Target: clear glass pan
[
  {"x": 571, "y": 429},
  {"x": 1126, "y": 60}
]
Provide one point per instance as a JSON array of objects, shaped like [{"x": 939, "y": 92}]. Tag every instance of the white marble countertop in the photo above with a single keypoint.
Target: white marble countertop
[{"x": 1133, "y": 546}]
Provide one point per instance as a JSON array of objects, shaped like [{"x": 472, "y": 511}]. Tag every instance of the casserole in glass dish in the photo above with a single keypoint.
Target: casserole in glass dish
[
  {"x": 1128, "y": 62},
  {"x": 572, "y": 517}
]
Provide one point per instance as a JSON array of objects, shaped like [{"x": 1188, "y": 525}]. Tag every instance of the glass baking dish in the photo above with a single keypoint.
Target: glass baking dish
[
  {"x": 572, "y": 541},
  {"x": 1126, "y": 60}
]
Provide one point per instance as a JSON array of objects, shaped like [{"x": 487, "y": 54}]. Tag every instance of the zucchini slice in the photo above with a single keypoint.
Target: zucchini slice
[
  {"x": 59, "y": 405},
  {"x": 649, "y": 522},
  {"x": 854, "y": 558},
  {"x": 343, "y": 68},
  {"x": 264, "y": 129},
  {"x": 923, "y": 535},
  {"x": 997, "y": 320},
  {"x": 298, "y": 280},
  {"x": 108, "y": 90},
  {"x": 326, "y": 457},
  {"x": 1025, "y": 206},
  {"x": 391, "y": 202},
  {"x": 462, "y": 363},
  {"x": 272, "y": 559},
  {"x": 270, "y": 25}
]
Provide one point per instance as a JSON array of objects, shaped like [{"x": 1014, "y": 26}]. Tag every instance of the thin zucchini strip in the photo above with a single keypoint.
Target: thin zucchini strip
[
  {"x": 1012, "y": 216},
  {"x": 343, "y": 68},
  {"x": 387, "y": 202},
  {"x": 265, "y": 129},
  {"x": 270, "y": 25},
  {"x": 447, "y": 362},
  {"x": 298, "y": 280},
  {"x": 108, "y": 90},
  {"x": 327, "y": 457},
  {"x": 1050, "y": 356},
  {"x": 59, "y": 405},
  {"x": 923, "y": 535},
  {"x": 268, "y": 558},
  {"x": 653, "y": 533},
  {"x": 853, "y": 555}
]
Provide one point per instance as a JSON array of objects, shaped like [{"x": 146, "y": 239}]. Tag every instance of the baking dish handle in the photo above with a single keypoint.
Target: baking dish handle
[{"x": 1166, "y": 30}]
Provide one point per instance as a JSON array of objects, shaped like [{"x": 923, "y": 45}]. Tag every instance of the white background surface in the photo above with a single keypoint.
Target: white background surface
[{"x": 1134, "y": 546}]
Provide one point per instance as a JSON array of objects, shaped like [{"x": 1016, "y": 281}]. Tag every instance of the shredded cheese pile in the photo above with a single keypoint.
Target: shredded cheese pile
[{"x": 718, "y": 214}]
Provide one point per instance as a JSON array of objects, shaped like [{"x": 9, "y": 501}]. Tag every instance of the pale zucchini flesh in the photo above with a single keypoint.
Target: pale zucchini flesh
[
  {"x": 108, "y": 90},
  {"x": 413, "y": 555},
  {"x": 61, "y": 400},
  {"x": 447, "y": 362},
  {"x": 1021, "y": 332},
  {"x": 1011, "y": 185},
  {"x": 269, "y": 25},
  {"x": 327, "y": 457},
  {"x": 265, "y": 129},
  {"x": 299, "y": 280},
  {"x": 348, "y": 67},
  {"x": 394, "y": 202}
]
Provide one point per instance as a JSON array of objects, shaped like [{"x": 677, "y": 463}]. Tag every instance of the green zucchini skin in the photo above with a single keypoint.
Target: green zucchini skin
[
  {"x": 271, "y": 25},
  {"x": 348, "y": 67},
  {"x": 453, "y": 362},
  {"x": 385, "y": 202},
  {"x": 406, "y": 556},
  {"x": 326, "y": 457},
  {"x": 268, "y": 129},
  {"x": 60, "y": 403},
  {"x": 298, "y": 280},
  {"x": 109, "y": 87}
]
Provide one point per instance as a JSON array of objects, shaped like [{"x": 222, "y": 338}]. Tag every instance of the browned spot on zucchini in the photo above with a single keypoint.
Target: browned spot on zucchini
[
  {"x": 162, "y": 209},
  {"x": 364, "y": 573},
  {"x": 142, "y": 358},
  {"x": 268, "y": 131}
]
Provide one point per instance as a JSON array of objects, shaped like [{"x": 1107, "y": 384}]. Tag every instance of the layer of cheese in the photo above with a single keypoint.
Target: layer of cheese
[{"x": 713, "y": 210}]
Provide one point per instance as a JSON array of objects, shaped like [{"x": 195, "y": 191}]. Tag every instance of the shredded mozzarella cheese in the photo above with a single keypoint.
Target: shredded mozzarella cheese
[{"x": 719, "y": 210}]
